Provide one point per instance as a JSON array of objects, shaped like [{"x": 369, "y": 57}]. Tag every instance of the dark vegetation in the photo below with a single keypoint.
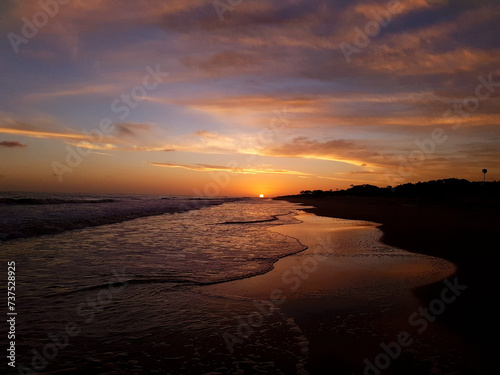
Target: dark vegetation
[{"x": 447, "y": 189}]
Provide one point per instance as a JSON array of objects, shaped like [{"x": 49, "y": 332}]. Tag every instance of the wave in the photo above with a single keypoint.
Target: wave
[
  {"x": 273, "y": 218},
  {"x": 139, "y": 281},
  {"x": 186, "y": 282},
  {"x": 251, "y": 221},
  {"x": 180, "y": 282},
  {"x": 38, "y": 201},
  {"x": 33, "y": 217}
]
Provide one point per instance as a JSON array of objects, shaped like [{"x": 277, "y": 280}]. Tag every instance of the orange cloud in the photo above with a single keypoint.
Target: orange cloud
[
  {"x": 335, "y": 150},
  {"x": 422, "y": 62},
  {"x": 238, "y": 170},
  {"x": 74, "y": 91},
  {"x": 125, "y": 136},
  {"x": 43, "y": 134}
]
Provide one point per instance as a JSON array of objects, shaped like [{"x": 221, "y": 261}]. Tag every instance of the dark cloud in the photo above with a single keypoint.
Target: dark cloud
[
  {"x": 483, "y": 151},
  {"x": 130, "y": 130},
  {"x": 11, "y": 144},
  {"x": 479, "y": 27},
  {"x": 6, "y": 6},
  {"x": 222, "y": 60},
  {"x": 421, "y": 19},
  {"x": 268, "y": 14}
]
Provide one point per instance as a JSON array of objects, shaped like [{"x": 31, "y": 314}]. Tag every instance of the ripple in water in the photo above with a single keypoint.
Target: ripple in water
[{"x": 128, "y": 289}]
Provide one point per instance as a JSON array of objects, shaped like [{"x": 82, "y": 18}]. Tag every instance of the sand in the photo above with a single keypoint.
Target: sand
[
  {"x": 463, "y": 233},
  {"x": 349, "y": 293}
]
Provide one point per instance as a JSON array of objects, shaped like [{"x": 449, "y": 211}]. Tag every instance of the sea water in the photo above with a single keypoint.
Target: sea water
[{"x": 124, "y": 297}]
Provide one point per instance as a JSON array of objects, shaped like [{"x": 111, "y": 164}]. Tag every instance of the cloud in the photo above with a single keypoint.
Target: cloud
[
  {"x": 250, "y": 107},
  {"x": 38, "y": 127},
  {"x": 11, "y": 144},
  {"x": 204, "y": 141},
  {"x": 29, "y": 130},
  {"x": 230, "y": 169},
  {"x": 119, "y": 147},
  {"x": 77, "y": 90},
  {"x": 126, "y": 136},
  {"x": 43, "y": 134},
  {"x": 486, "y": 152},
  {"x": 365, "y": 172},
  {"x": 255, "y": 14},
  {"x": 206, "y": 134},
  {"x": 101, "y": 153},
  {"x": 415, "y": 62},
  {"x": 79, "y": 18},
  {"x": 265, "y": 56},
  {"x": 131, "y": 130},
  {"x": 343, "y": 108},
  {"x": 223, "y": 60},
  {"x": 336, "y": 149}
]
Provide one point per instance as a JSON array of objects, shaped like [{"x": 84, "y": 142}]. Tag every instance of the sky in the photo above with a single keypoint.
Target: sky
[{"x": 240, "y": 97}]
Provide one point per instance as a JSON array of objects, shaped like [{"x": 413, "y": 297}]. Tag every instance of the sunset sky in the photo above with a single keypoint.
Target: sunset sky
[{"x": 201, "y": 97}]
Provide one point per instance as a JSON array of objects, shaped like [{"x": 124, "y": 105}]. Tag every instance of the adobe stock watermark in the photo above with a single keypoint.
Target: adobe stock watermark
[
  {"x": 122, "y": 108},
  {"x": 48, "y": 9},
  {"x": 87, "y": 311},
  {"x": 419, "y": 319},
  {"x": 427, "y": 147},
  {"x": 223, "y": 6},
  {"x": 372, "y": 29},
  {"x": 293, "y": 278}
]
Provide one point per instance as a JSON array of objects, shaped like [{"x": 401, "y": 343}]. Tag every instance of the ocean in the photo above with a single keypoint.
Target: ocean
[
  {"x": 143, "y": 284},
  {"x": 111, "y": 283}
]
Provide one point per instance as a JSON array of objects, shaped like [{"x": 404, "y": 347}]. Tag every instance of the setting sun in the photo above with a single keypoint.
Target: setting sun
[{"x": 261, "y": 196}]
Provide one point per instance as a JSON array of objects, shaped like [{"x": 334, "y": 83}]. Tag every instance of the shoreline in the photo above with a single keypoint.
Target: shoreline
[
  {"x": 348, "y": 296},
  {"x": 464, "y": 236}
]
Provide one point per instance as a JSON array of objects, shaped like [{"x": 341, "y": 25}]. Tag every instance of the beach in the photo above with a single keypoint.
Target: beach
[
  {"x": 463, "y": 234},
  {"x": 234, "y": 287},
  {"x": 352, "y": 297}
]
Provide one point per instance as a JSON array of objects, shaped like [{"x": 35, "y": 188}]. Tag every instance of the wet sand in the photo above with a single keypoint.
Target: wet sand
[
  {"x": 456, "y": 229},
  {"x": 342, "y": 255},
  {"x": 349, "y": 293}
]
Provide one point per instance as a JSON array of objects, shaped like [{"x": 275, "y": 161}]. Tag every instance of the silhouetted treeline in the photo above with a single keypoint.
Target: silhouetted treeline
[{"x": 435, "y": 189}]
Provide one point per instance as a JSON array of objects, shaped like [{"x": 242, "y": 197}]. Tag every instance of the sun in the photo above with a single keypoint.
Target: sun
[{"x": 261, "y": 196}]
